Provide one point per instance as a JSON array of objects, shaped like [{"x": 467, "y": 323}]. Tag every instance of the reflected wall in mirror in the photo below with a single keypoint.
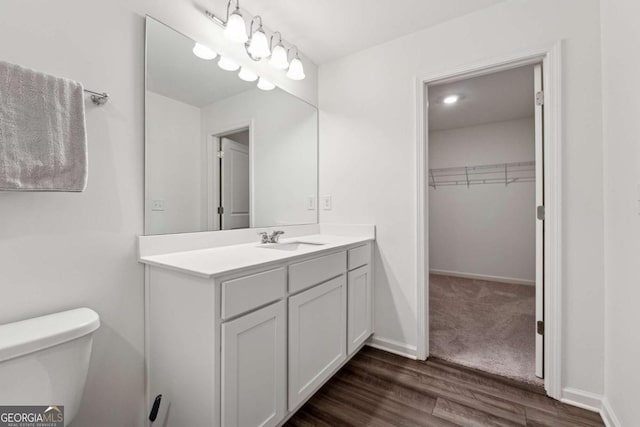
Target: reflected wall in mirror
[{"x": 220, "y": 153}]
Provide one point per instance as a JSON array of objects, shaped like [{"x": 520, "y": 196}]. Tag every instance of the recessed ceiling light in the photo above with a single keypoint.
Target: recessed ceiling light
[{"x": 451, "y": 99}]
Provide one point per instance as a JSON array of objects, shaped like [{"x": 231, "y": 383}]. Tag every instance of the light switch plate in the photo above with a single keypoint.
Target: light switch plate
[
  {"x": 326, "y": 203},
  {"x": 311, "y": 203},
  {"x": 157, "y": 205}
]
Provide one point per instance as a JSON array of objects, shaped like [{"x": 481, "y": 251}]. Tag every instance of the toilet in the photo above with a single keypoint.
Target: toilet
[{"x": 45, "y": 360}]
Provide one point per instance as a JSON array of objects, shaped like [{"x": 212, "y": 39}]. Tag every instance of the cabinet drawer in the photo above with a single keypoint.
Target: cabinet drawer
[
  {"x": 359, "y": 256},
  {"x": 246, "y": 293},
  {"x": 308, "y": 273}
]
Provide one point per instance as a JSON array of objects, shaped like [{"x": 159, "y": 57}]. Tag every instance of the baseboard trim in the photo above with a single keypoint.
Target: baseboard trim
[
  {"x": 608, "y": 416},
  {"x": 392, "y": 346},
  {"x": 582, "y": 399},
  {"x": 483, "y": 277}
]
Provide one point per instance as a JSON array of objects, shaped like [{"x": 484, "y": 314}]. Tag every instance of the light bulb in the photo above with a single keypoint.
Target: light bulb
[
  {"x": 203, "y": 52},
  {"x": 227, "y": 64},
  {"x": 296, "y": 70},
  {"x": 259, "y": 45},
  {"x": 265, "y": 84},
  {"x": 279, "y": 58},
  {"x": 247, "y": 75},
  {"x": 236, "y": 29},
  {"x": 451, "y": 99}
]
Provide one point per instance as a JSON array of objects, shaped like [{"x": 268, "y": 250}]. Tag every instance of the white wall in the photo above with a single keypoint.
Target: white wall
[
  {"x": 368, "y": 157},
  {"x": 621, "y": 108},
  {"x": 485, "y": 230},
  {"x": 59, "y": 251},
  {"x": 173, "y": 160},
  {"x": 284, "y": 152}
]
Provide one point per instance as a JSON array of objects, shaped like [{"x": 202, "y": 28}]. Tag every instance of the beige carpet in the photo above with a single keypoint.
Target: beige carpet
[{"x": 484, "y": 325}]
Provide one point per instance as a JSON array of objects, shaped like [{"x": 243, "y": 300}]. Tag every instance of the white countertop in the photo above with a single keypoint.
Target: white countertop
[{"x": 222, "y": 260}]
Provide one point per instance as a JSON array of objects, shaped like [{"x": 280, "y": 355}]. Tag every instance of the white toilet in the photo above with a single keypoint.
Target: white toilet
[{"x": 44, "y": 360}]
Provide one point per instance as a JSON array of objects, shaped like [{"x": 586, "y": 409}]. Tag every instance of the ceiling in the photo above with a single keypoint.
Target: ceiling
[
  {"x": 505, "y": 95},
  {"x": 174, "y": 71},
  {"x": 325, "y": 30}
]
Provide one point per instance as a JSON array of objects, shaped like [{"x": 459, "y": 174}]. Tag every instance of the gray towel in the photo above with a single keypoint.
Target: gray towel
[{"x": 43, "y": 139}]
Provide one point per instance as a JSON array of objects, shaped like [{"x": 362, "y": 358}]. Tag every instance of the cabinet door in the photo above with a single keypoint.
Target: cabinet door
[
  {"x": 254, "y": 368},
  {"x": 360, "y": 319},
  {"x": 317, "y": 337}
]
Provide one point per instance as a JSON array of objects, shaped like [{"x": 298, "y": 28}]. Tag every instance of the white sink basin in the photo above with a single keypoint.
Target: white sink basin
[{"x": 289, "y": 246}]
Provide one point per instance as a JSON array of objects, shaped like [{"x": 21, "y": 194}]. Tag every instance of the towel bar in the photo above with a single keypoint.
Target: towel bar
[{"x": 98, "y": 98}]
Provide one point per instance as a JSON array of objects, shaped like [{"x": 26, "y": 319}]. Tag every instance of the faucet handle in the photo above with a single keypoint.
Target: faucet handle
[
  {"x": 275, "y": 236},
  {"x": 264, "y": 236}
]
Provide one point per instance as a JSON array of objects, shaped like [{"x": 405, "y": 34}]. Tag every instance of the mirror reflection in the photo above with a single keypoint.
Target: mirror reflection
[{"x": 222, "y": 152}]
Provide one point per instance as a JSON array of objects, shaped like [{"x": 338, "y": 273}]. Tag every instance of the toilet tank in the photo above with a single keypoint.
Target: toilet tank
[{"x": 45, "y": 360}]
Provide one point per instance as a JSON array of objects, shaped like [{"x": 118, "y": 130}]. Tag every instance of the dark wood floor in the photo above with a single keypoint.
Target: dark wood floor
[{"x": 377, "y": 388}]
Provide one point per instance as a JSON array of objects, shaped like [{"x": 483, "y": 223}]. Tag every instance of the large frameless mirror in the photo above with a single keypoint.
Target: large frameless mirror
[{"x": 220, "y": 152}]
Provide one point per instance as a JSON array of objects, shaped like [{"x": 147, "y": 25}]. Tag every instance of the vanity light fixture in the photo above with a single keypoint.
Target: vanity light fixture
[
  {"x": 451, "y": 99},
  {"x": 296, "y": 70},
  {"x": 258, "y": 45},
  {"x": 235, "y": 29},
  {"x": 227, "y": 64},
  {"x": 265, "y": 84},
  {"x": 203, "y": 52},
  {"x": 247, "y": 75},
  {"x": 279, "y": 59}
]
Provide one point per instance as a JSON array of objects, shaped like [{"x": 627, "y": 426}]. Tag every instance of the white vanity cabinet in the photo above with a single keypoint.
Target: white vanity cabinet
[
  {"x": 254, "y": 368},
  {"x": 360, "y": 297},
  {"x": 249, "y": 347},
  {"x": 360, "y": 318},
  {"x": 317, "y": 337}
]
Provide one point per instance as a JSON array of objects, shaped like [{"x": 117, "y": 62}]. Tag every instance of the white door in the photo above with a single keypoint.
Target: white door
[
  {"x": 539, "y": 131},
  {"x": 317, "y": 337},
  {"x": 234, "y": 176},
  {"x": 360, "y": 319},
  {"x": 254, "y": 368}
]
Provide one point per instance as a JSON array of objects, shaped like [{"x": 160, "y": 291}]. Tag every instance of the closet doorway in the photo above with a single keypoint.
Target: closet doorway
[
  {"x": 488, "y": 253},
  {"x": 482, "y": 222}
]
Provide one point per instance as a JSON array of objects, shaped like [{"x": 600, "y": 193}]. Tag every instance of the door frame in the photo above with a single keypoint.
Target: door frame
[
  {"x": 550, "y": 57},
  {"x": 213, "y": 171}
]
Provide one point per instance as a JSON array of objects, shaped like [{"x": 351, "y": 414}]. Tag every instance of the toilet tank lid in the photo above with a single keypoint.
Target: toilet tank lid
[{"x": 31, "y": 335}]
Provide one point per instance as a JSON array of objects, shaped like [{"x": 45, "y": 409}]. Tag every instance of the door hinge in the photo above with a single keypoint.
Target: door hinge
[
  {"x": 540, "y": 98},
  {"x": 540, "y": 327},
  {"x": 540, "y": 213},
  {"x": 220, "y": 210},
  {"x": 220, "y": 154}
]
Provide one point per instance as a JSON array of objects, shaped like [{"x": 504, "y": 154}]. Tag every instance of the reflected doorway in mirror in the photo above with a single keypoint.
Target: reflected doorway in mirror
[{"x": 230, "y": 186}]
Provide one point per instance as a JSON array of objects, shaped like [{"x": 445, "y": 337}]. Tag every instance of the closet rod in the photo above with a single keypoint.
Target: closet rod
[{"x": 97, "y": 97}]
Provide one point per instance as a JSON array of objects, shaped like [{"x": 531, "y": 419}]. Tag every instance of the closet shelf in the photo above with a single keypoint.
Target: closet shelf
[{"x": 500, "y": 173}]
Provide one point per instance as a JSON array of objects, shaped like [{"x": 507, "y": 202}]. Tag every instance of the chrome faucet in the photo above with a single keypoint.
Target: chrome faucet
[{"x": 270, "y": 238}]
